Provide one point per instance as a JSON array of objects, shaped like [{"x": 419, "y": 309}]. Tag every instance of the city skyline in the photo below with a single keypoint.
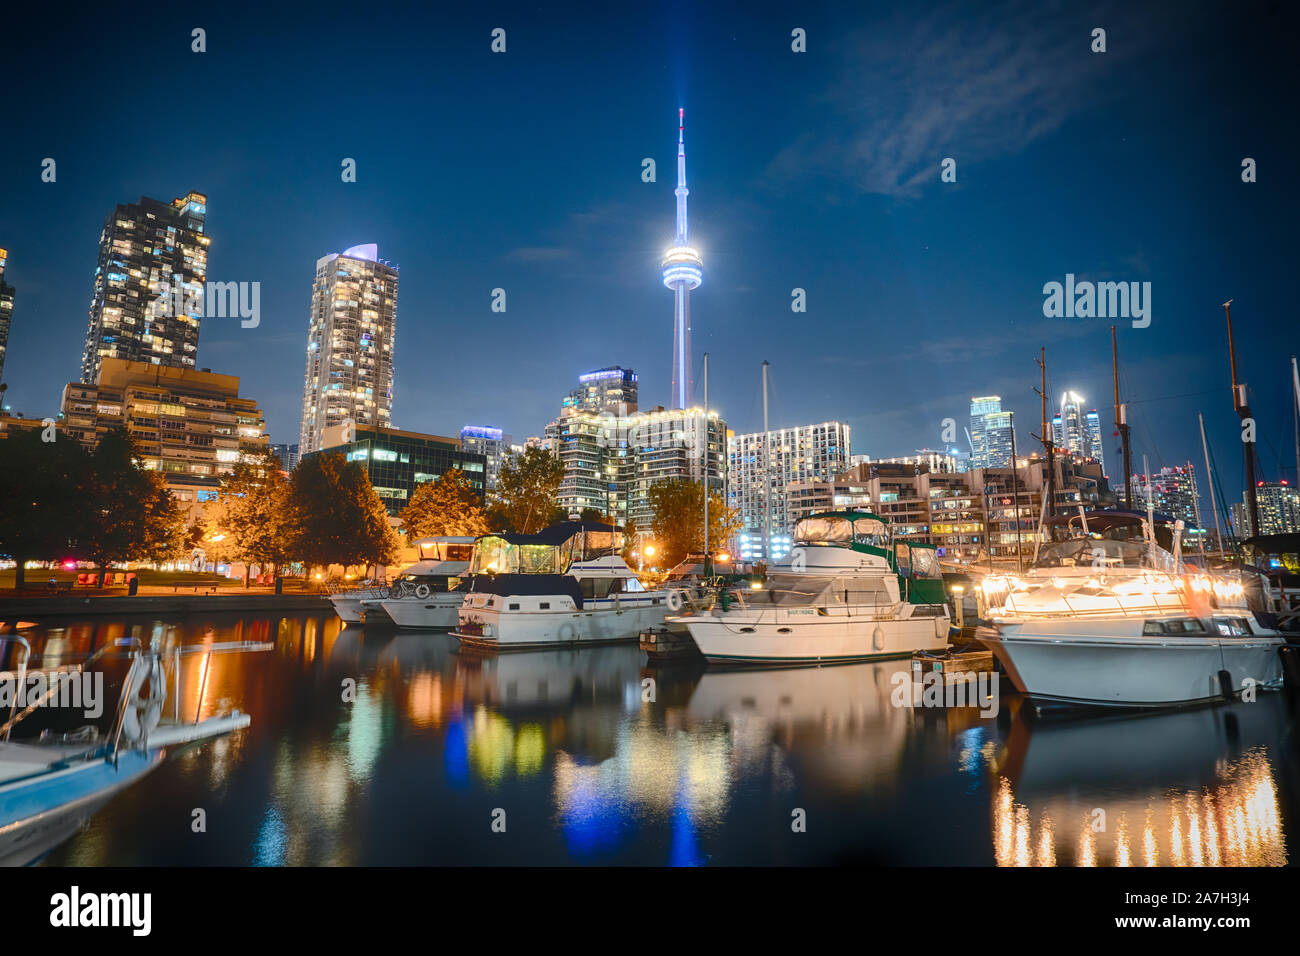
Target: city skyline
[{"x": 579, "y": 256}]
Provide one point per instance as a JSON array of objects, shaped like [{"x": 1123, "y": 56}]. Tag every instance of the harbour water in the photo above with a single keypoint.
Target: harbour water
[{"x": 558, "y": 757}]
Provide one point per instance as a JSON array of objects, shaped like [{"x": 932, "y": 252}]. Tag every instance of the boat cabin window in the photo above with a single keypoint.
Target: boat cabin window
[
  {"x": 599, "y": 587},
  {"x": 824, "y": 531},
  {"x": 870, "y": 531},
  {"x": 1232, "y": 626},
  {"x": 925, "y": 563},
  {"x": 446, "y": 551},
  {"x": 633, "y": 585},
  {"x": 1189, "y": 625},
  {"x": 494, "y": 555}
]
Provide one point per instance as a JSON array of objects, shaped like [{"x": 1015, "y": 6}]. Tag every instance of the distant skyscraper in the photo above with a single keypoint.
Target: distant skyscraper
[
  {"x": 990, "y": 433},
  {"x": 143, "y": 246},
  {"x": 493, "y": 444},
  {"x": 611, "y": 389},
  {"x": 683, "y": 271},
  {"x": 1092, "y": 425},
  {"x": 6, "y": 311},
  {"x": 349, "y": 344},
  {"x": 288, "y": 455}
]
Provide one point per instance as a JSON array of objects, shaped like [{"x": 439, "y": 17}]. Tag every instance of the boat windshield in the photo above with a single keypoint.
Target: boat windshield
[
  {"x": 1095, "y": 552},
  {"x": 494, "y": 555},
  {"x": 445, "y": 550}
]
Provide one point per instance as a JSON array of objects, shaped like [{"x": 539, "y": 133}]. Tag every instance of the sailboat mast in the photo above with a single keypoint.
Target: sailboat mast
[
  {"x": 1243, "y": 411},
  {"x": 767, "y": 478},
  {"x": 1209, "y": 482},
  {"x": 1121, "y": 424},
  {"x": 706, "y": 463},
  {"x": 1046, "y": 438}
]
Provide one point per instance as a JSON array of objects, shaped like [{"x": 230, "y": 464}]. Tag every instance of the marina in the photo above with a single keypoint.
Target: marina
[{"x": 707, "y": 773}]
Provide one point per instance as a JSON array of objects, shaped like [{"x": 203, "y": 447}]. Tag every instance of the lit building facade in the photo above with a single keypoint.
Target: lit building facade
[
  {"x": 349, "y": 374},
  {"x": 760, "y": 468},
  {"x": 288, "y": 455},
  {"x": 493, "y": 444},
  {"x": 990, "y": 433},
  {"x": 191, "y": 425},
  {"x": 145, "y": 250},
  {"x": 612, "y": 461},
  {"x": 1279, "y": 510},
  {"x": 6, "y": 311},
  {"x": 1173, "y": 492},
  {"x": 612, "y": 389},
  {"x": 1077, "y": 431},
  {"x": 399, "y": 461}
]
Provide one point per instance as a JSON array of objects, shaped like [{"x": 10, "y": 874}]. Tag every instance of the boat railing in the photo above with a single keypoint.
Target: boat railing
[
  {"x": 872, "y": 612},
  {"x": 1176, "y": 602},
  {"x": 54, "y": 687},
  {"x": 138, "y": 656}
]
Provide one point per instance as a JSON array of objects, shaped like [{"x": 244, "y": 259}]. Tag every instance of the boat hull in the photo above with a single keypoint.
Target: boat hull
[
  {"x": 348, "y": 605},
  {"x": 38, "y": 814},
  {"x": 728, "y": 639},
  {"x": 1061, "y": 665},
  {"x": 425, "y": 614},
  {"x": 511, "y": 630}
]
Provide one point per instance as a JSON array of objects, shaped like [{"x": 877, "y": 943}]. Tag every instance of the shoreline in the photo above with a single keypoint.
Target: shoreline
[{"x": 13, "y": 609}]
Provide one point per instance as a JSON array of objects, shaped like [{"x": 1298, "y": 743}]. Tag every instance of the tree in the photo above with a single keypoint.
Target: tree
[
  {"x": 447, "y": 505},
  {"x": 335, "y": 516},
  {"x": 527, "y": 487},
  {"x": 43, "y": 507},
  {"x": 678, "y": 526},
  {"x": 252, "y": 509},
  {"x": 131, "y": 512}
]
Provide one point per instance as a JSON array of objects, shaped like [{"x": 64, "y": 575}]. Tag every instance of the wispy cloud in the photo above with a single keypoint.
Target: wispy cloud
[{"x": 974, "y": 88}]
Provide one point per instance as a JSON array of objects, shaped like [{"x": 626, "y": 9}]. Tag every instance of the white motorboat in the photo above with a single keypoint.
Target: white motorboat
[
  {"x": 429, "y": 592},
  {"x": 348, "y": 605},
  {"x": 50, "y": 785},
  {"x": 1109, "y": 615},
  {"x": 565, "y": 586},
  {"x": 846, "y": 592}
]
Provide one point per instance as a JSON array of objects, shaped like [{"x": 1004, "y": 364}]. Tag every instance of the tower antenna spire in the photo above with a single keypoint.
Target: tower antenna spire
[{"x": 683, "y": 271}]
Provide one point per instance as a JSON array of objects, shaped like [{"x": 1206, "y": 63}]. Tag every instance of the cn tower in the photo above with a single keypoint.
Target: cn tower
[{"x": 683, "y": 271}]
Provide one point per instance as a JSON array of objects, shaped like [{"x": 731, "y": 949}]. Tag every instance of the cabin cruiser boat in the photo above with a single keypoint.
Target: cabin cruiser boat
[
  {"x": 53, "y": 783},
  {"x": 429, "y": 592},
  {"x": 1111, "y": 615},
  {"x": 564, "y": 586},
  {"x": 846, "y": 591},
  {"x": 347, "y": 604}
]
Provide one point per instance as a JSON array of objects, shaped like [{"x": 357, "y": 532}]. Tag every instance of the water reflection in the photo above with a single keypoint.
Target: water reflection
[
  {"x": 1189, "y": 789},
  {"x": 369, "y": 747}
]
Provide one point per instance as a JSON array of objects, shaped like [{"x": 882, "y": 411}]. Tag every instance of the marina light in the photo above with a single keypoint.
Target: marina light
[{"x": 649, "y": 550}]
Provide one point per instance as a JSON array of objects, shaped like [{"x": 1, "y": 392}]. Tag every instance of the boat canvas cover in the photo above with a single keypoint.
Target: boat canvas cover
[{"x": 540, "y": 585}]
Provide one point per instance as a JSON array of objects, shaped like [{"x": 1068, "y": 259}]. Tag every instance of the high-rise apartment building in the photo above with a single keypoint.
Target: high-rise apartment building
[
  {"x": 150, "y": 254},
  {"x": 190, "y": 424},
  {"x": 760, "y": 468},
  {"x": 6, "y": 311},
  {"x": 1279, "y": 510},
  {"x": 612, "y": 389},
  {"x": 493, "y": 444},
  {"x": 612, "y": 461},
  {"x": 989, "y": 433},
  {"x": 1172, "y": 492},
  {"x": 349, "y": 375}
]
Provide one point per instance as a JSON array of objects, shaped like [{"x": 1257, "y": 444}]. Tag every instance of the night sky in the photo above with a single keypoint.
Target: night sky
[{"x": 818, "y": 170}]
